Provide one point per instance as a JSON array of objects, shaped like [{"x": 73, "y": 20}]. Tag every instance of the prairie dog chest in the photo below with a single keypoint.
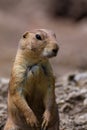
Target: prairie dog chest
[{"x": 38, "y": 77}]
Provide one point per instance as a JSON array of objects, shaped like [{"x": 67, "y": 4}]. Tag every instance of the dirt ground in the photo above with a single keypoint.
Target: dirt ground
[{"x": 71, "y": 97}]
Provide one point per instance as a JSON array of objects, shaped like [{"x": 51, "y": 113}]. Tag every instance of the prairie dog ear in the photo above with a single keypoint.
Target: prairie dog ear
[{"x": 25, "y": 34}]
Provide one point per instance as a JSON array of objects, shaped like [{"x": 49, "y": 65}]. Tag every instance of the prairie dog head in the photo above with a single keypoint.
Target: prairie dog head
[{"x": 40, "y": 43}]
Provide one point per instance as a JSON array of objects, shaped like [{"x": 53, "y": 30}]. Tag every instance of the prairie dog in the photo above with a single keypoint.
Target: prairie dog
[{"x": 31, "y": 96}]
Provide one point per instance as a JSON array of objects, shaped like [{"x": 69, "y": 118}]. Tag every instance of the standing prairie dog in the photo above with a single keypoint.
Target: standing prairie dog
[{"x": 31, "y": 96}]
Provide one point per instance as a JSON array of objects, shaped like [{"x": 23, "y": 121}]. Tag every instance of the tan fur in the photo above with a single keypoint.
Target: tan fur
[{"x": 31, "y": 96}]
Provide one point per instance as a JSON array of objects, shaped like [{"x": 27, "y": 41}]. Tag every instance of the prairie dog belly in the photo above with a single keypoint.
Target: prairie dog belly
[{"x": 38, "y": 79}]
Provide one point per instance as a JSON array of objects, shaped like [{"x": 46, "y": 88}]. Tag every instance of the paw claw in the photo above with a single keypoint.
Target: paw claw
[
  {"x": 32, "y": 120},
  {"x": 46, "y": 120},
  {"x": 44, "y": 125}
]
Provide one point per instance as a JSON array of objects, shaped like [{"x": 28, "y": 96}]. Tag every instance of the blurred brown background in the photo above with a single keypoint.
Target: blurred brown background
[{"x": 67, "y": 18}]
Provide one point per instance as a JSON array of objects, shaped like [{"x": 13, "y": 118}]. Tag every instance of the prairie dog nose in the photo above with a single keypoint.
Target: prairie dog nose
[{"x": 55, "y": 49}]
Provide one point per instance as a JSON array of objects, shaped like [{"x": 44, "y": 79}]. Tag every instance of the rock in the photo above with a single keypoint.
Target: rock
[
  {"x": 85, "y": 102},
  {"x": 3, "y": 87},
  {"x": 81, "y": 76},
  {"x": 66, "y": 107},
  {"x": 76, "y": 96},
  {"x": 79, "y": 120}
]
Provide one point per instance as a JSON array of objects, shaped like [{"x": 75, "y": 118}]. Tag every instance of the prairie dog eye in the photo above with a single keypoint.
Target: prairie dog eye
[{"x": 38, "y": 37}]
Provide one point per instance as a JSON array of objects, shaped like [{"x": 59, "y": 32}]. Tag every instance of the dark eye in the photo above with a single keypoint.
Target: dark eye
[{"x": 38, "y": 37}]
